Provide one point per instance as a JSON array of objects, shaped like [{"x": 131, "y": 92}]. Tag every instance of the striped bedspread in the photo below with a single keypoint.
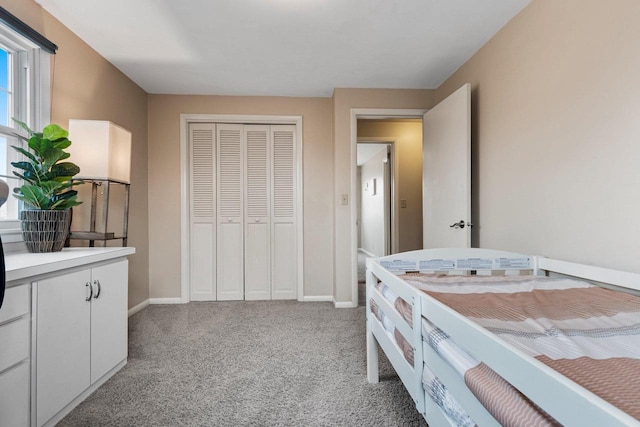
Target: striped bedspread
[
  {"x": 588, "y": 333},
  {"x": 433, "y": 386}
]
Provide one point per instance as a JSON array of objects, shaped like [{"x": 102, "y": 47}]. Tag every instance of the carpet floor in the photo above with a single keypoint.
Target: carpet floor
[{"x": 267, "y": 363}]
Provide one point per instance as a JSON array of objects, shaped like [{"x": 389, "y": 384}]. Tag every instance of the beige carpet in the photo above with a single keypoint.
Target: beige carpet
[{"x": 247, "y": 364}]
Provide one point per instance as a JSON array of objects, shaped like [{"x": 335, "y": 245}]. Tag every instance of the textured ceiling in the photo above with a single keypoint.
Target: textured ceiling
[{"x": 284, "y": 47}]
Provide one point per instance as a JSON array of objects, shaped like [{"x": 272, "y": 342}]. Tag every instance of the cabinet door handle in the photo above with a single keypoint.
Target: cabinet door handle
[
  {"x": 97, "y": 283},
  {"x": 88, "y": 284}
]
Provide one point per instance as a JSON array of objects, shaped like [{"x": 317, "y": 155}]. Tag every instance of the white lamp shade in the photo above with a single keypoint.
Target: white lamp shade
[{"x": 101, "y": 149}]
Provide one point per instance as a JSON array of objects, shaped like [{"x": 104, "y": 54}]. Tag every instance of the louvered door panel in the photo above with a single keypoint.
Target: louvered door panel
[
  {"x": 283, "y": 171},
  {"x": 230, "y": 236},
  {"x": 283, "y": 221},
  {"x": 257, "y": 176},
  {"x": 257, "y": 268},
  {"x": 202, "y": 211}
]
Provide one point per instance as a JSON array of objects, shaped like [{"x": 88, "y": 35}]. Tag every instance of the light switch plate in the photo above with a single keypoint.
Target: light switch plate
[
  {"x": 345, "y": 199},
  {"x": 403, "y": 203}
]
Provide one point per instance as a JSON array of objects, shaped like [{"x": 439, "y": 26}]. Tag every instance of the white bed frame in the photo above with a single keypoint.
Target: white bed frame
[{"x": 563, "y": 399}]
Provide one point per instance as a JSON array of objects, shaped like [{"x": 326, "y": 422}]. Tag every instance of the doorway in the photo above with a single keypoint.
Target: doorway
[
  {"x": 388, "y": 196},
  {"x": 375, "y": 201},
  {"x": 449, "y": 135},
  {"x": 375, "y": 198}
]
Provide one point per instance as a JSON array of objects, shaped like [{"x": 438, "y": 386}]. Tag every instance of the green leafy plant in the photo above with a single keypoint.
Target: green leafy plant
[{"x": 47, "y": 177}]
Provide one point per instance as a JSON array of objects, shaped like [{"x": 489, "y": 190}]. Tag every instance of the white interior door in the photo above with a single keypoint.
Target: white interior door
[
  {"x": 203, "y": 211},
  {"x": 230, "y": 238},
  {"x": 446, "y": 182},
  {"x": 257, "y": 230},
  {"x": 283, "y": 231}
]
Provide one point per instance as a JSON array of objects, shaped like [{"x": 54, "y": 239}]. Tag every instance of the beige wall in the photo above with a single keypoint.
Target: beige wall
[
  {"x": 555, "y": 139},
  {"x": 86, "y": 86},
  {"x": 557, "y": 132},
  {"x": 164, "y": 182},
  {"x": 343, "y": 101},
  {"x": 408, "y": 151}
]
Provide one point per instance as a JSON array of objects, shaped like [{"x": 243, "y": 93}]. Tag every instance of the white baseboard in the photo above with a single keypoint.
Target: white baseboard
[
  {"x": 133, "y": 310},
  {"x": 367, "y": 253},
  {"x": 320, "y": 298},
  {"x": 165, "y": 301},
  {"x": 343, "y": 304}
]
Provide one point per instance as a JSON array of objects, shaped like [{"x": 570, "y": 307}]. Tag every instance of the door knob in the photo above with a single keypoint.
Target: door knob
[{"x": 459, "y": 224}]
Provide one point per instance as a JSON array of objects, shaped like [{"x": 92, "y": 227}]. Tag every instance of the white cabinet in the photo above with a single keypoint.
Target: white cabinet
[
  {"x": 81, "y": 333},
  {"x": 15, "y": 343}
]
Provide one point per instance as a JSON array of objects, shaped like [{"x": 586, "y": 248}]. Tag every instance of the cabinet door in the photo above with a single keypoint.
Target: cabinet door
[
  {"x": 63, "y": 342},
  {"x": 108, "y": 317}
]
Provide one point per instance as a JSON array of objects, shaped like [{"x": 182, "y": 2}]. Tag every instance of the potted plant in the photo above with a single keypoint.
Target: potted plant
[{"x": 47, "y": 189}]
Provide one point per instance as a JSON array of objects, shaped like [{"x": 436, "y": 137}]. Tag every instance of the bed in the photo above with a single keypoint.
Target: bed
[{"x": 485, "y": 337}]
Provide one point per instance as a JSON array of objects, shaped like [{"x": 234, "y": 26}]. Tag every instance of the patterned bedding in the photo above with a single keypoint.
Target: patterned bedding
[
  {"x": 588, "y": 333},
  {"x": 436, "y": 390}
]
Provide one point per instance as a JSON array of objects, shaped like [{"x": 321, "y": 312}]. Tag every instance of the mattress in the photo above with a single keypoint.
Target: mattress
[{"x": 588, "y": 333}]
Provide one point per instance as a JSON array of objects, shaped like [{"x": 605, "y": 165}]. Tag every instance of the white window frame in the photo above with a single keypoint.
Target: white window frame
[{"x": 31, "y": 87}]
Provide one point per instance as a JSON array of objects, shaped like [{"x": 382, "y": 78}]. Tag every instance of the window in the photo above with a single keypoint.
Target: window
[
  {"x": 24, "y": 95},
  {"x": 8, "y": 77}
]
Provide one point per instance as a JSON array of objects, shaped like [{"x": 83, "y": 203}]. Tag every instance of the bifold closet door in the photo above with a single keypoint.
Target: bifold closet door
[
  {"x": 202, "y": 212},
  {"x": 230, "y": 238},
  {"x": 257, "y": 230},
  {"x": 283, "y": 218},
  {"x": 243, "y": 226}
]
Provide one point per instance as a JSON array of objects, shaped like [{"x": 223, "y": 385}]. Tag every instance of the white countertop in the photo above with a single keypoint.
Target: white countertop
[{"x": 21, "y": 265}]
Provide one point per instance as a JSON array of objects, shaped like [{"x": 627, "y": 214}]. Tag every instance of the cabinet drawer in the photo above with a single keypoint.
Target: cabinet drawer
[
  {"x": 14, "y": 397},
  {"x": 16, "y": 302},
  {"x": 15, "y": 341}
]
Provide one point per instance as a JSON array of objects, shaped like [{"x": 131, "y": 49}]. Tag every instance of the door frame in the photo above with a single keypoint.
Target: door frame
[
  {"x": 185, "y": 233},
  {"x": 375, "y": 114},
  {"x": 395, "y": 187}
]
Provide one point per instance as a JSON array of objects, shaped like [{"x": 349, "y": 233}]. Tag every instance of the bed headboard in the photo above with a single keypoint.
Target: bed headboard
[{"x": 457, "y": 259}]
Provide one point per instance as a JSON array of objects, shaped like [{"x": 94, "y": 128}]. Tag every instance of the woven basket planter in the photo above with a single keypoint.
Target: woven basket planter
[{"x": 45, "y": 230}]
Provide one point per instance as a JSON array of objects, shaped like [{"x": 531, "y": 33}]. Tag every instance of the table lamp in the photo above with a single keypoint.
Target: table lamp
[{"x": 101, "y": 149}]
